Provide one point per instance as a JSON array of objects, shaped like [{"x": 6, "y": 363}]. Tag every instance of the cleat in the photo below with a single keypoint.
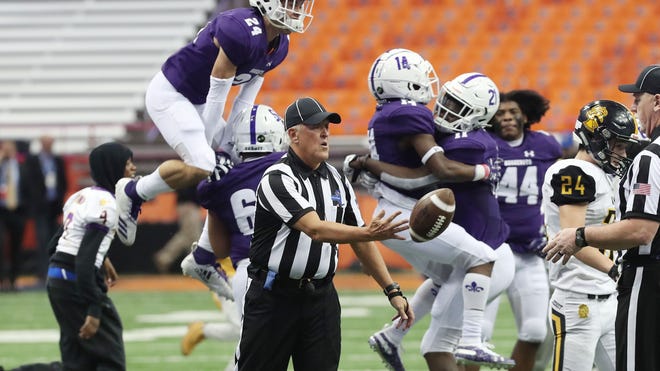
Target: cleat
[
  {"x": 481, "y": 354},
  {"x": 387, "y": 350},
  {"x": 212, "y": 275},
  {"x": 193, "y": 336},
  {"x": 128, "y": 210}
]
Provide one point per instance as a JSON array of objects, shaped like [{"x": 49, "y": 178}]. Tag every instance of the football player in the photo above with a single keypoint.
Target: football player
[
  {"x": 79, "y": 272},
  {"x": 186, "y": 100},
  {"x": 526, "y": 155},
  {"x": 259, "y": 139},
  {"x": 402, "y": 132},
  {"x": 578, "y": 192}
]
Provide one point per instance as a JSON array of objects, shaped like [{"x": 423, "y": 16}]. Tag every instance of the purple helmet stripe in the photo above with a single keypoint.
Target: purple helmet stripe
[
  {"x": 253, "y": 125},
  {"x": 371, "y": 78},
  {"x": 472, "y": 77}
]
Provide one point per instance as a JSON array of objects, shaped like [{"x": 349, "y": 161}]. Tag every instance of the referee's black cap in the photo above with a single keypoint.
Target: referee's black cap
[
  {"x": 648, "y": 81},
  {"x": 308, "y": 111}
]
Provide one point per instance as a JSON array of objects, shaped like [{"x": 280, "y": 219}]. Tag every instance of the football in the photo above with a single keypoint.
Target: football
[{"x": 432, "y": 214}]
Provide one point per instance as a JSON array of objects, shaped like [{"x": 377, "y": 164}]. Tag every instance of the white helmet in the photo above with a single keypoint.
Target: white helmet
[
  {"x": 294, "y": 15},
  {"x": 259, "y": 129},
  {"x": 403, "y": 74},
  {"x": 466, "y": 103}
]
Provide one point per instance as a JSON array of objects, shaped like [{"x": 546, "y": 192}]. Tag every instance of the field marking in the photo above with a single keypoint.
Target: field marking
[{"x": 352, "y": 307}]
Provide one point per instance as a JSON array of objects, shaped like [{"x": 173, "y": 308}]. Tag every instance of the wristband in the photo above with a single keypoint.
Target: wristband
[
  {"x": 432, "y": 151},
  {"x": 390, "y": 287},
  {"x": 481, "y": 171},
  {"x": 580, "y": 239},
  {"x": 394, "y": 294}
]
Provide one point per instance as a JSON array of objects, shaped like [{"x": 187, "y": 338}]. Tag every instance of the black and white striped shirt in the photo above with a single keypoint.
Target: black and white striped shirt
[
  {"x": 288, "y": 190},
  {"x": 639, "y": 197}
]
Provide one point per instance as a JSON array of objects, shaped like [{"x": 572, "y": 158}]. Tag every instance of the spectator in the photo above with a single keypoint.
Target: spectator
[
  {"x": 47, "y": 187},
  {"x": 13, "y": 212}
]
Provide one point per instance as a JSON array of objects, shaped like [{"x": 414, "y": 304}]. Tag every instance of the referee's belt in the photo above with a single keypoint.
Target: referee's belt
[
  {"x": 61, "y": 273},
  {"x": 289, "y": 283}
]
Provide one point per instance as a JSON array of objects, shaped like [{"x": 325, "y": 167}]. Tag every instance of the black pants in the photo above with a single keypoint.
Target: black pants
[
  {"x": 105, "y": 350},
  {"x": 12, "y": 227},
  {"x": 284, "y": 323},
  {"x": 637, "y": 319}
]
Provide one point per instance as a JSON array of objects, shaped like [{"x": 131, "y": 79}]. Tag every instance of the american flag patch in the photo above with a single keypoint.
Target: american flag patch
[{"x": 643, "y": 189}]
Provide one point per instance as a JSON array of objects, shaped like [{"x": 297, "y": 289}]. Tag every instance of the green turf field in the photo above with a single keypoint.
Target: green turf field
[{"x": 155, "y": 321}]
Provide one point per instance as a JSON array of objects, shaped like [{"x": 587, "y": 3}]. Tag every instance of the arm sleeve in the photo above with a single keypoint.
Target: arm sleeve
[
  {"x": 52, "y": 244},
  {"x": 86, "y": 270}
]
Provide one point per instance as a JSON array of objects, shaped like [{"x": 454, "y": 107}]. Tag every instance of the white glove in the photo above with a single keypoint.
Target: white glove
[
  {"x": 350, "y": 173},
  {"x": 367, "y": 180},
  {"x": 223, "y": 164}
]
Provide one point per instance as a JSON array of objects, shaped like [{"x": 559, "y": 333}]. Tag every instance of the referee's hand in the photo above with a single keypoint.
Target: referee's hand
[
  {"x": 382, "y": 228},
  {"x": 404, "y": 311}
]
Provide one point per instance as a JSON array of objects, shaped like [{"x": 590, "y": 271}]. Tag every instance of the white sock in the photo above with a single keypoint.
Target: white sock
[
  {"x": 421, "y": 304},
  {"x": 150, "y": 186},
  {"x": 221, "y": 331},
  {"x": 204, "y": 242},
  {"x": 475, "y": 294}
]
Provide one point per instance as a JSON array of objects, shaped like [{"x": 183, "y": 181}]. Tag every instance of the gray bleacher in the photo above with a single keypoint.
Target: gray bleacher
[{"x": 78, "y": 69}]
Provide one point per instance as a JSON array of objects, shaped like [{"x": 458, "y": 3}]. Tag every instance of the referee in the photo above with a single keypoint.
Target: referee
[
  {"x": 304, "y": 209},
  {"x": 637, "y": 320}
]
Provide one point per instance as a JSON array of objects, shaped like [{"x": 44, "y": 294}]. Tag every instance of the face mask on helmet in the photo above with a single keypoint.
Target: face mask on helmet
[
  {"x": 259, "y": 130},
  {"x": 466, "y": 103},
  {"x": 403, "y": 74},
  {"x": 293, "y": 15},
  {"x": 600, "y": 126}
]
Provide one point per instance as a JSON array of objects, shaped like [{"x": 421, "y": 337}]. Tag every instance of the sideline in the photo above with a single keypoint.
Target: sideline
[{"x": 408, "y": 280}]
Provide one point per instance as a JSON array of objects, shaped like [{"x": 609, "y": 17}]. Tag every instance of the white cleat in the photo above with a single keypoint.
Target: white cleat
[
  {"x": 128, "y": 212},
  {"x": 212, "y": 275},
  {"x": 481, "y": 354}
]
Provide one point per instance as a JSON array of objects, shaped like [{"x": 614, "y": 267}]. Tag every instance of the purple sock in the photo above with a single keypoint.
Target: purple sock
[
  {"x": 137, "y": 200},
  {"x": 203, "y": 257}
]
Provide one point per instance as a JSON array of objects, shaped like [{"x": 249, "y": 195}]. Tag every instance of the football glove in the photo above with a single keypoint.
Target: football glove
[{"x": 223, "y": 164}]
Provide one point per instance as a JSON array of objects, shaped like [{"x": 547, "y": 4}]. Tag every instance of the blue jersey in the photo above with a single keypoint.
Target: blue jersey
[
  {"x": 389, "y": 129},
  {"x": 519, "y": 191},
  {"x": 233, "y": 199},
  {"x": 476, "y": 205},
  {"x": 242, "y": 35}
]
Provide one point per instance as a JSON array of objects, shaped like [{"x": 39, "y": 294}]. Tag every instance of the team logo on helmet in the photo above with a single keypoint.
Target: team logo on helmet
[{"x": 595, "y": 116}]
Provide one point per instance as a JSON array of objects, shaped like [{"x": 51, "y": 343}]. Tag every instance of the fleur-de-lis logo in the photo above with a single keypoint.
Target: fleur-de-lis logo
[{"x": 473, "y": 287}]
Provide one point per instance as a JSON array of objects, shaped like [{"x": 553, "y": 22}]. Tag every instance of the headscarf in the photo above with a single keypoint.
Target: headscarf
[{"x": 107, "y": 163}]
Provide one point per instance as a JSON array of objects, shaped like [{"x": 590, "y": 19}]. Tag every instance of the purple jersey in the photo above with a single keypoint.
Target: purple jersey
[
  {"x": 233, "y": 199},
  {"x": 242, "y": 36},
  {"x": 389, "y": 129},
  {"x": 519, "y": 191},
  {"x": 476, "y": 206}
]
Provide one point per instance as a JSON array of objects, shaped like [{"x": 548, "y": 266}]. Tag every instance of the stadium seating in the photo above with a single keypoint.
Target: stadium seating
[
  {"x": 75, "y": 63},
  {"x": 79, "y": 69}
]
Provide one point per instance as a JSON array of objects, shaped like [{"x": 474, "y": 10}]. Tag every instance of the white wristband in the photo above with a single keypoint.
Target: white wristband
[
  {"x": 481, "y": 171},
  {"x": 432, "y": 151}
]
